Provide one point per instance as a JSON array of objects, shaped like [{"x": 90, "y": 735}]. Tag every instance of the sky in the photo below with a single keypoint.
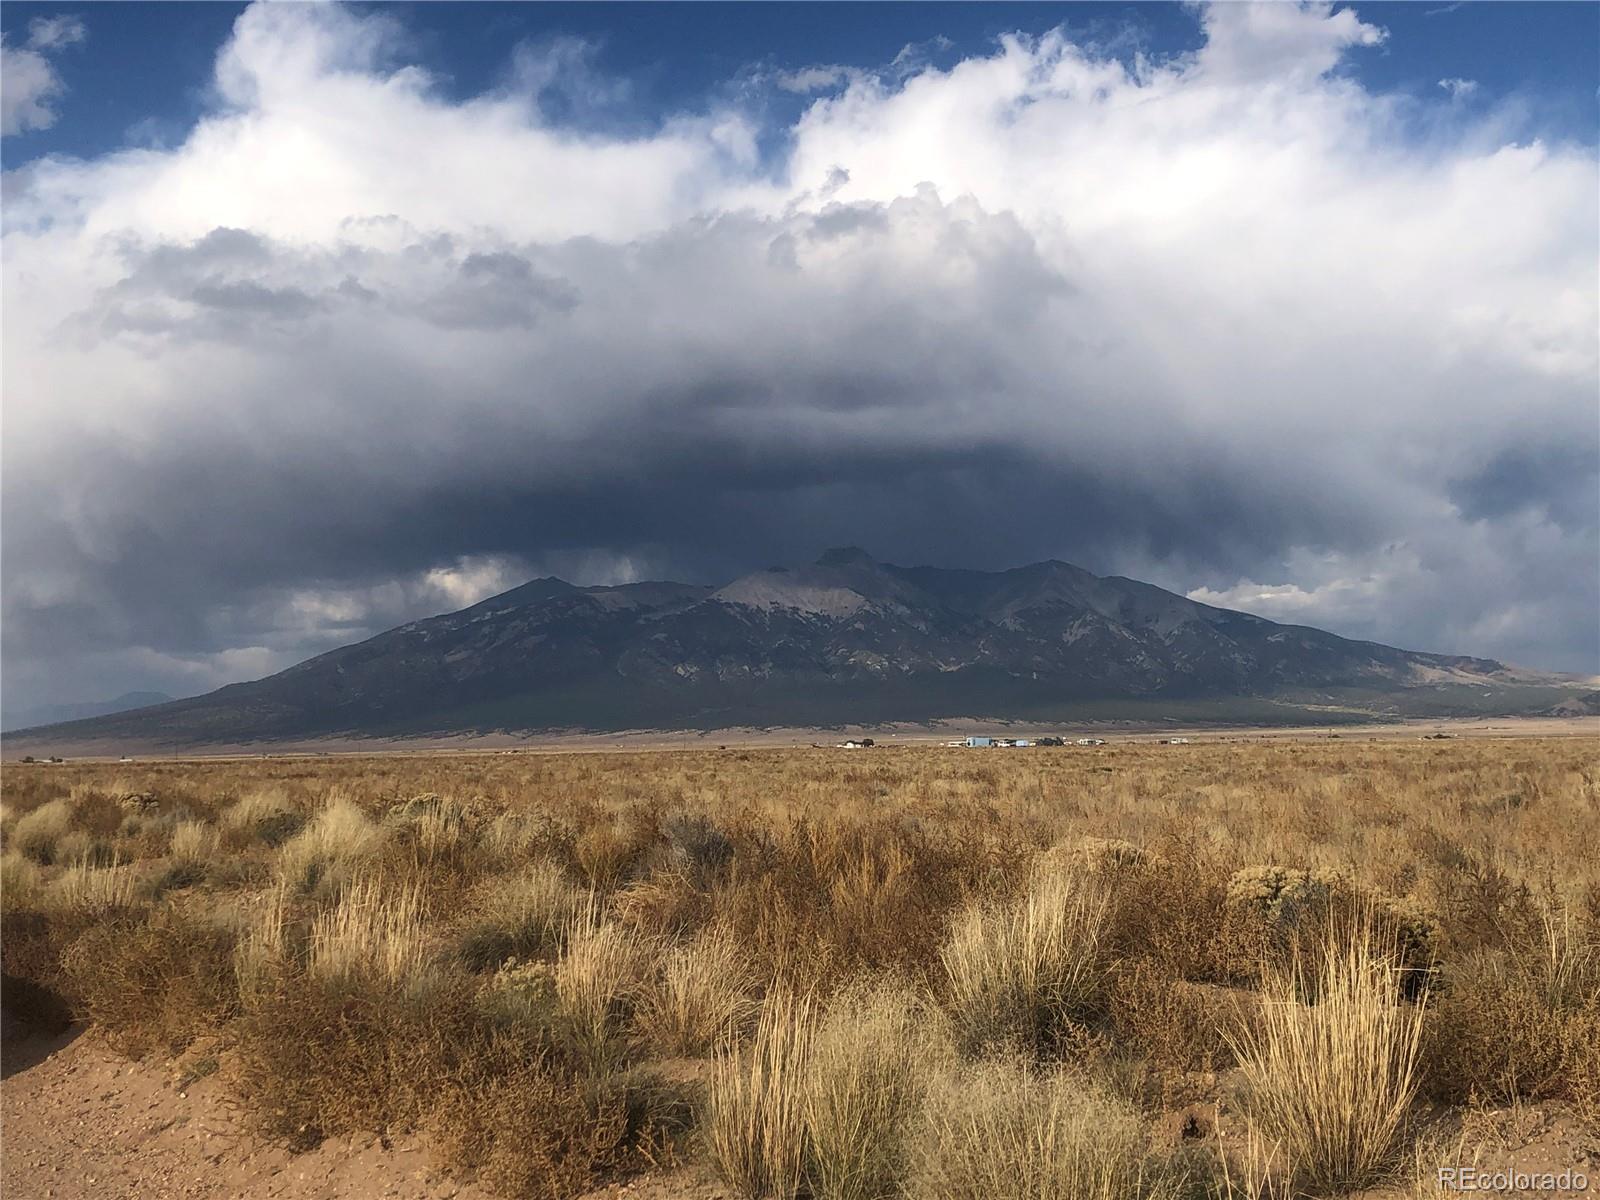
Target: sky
[{"x": 318, "y": 319}]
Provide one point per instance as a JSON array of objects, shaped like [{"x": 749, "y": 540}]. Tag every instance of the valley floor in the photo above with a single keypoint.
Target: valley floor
[
  {"x": 926, "y": 736},
  {"x": 565, "y": 974}
]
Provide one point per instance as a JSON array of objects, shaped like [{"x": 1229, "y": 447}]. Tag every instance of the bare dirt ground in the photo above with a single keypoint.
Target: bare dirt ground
[{"x": 79, "y": 1122}]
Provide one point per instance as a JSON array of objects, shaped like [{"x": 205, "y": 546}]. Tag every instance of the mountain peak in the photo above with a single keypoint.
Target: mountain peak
[
  {"x": 849, "y": 639},
  {"x": 845, "y": 556}
]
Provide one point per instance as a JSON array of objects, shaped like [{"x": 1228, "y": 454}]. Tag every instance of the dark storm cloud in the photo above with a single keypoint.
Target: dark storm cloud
[
  {"x": 1216, "y": 338},
  {"x": 1558, "y": 480}
]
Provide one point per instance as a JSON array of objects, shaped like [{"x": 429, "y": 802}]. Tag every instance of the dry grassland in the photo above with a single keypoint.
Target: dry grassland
[{"x": 847, "y": 975}]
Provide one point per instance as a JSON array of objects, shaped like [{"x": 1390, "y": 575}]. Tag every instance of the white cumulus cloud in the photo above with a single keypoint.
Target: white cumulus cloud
[
  {"x": 29, "y": 83},
  {"x": 1222, "y": 317}
]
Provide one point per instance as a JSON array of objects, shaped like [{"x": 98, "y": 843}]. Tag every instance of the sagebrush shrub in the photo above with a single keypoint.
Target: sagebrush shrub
[
  {"x": 1519, "y": 1021},
  {"x": 1281, "y": 896},
  {"x": 531, "y": 1128},
  {"x": 155, "y": 980},
  {"x": 316, "y": 1061},
  {"x": 1177, "y": 1024}
]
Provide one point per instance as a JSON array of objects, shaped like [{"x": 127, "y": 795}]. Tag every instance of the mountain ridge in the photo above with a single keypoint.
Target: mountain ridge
[{"x": 844, "y": 639}]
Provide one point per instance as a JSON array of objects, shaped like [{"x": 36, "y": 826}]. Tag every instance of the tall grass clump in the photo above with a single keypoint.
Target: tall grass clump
[
  {"x": 189, "y": 855},
  {"x": 1005, "y": 1129},
  {"x": 36, "y": 834},
  {"x": 704, "y": 995},
  {"x": 19, "y": 882},
  {"x": 1330, "y": 1066},
  {"x": 90, "y": 891},
  {"x": 1018, "y": 973},
  {"x": 323, "y": 854},
  {"x": 755, "y": 1118},
  {"x": 264, "y": 815},
  {"x": 263, "y": 950},
  {"x": 434, "y": 829},
  {"x": 193, "y": 842},
  {"x": 371, "y": 934},
  {"x": 599, "y": 980},
  {"x": 525, "y": 916},
  {"x": 870, "y": 1061}
]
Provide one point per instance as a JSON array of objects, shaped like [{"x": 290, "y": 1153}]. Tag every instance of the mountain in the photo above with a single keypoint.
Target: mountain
[
  {"x": 847, "y": 639},
  {"x": 51, "y": 714}
]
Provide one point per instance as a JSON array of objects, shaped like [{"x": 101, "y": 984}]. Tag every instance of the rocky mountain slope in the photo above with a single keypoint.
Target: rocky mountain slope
[
  {"x": 847, "y": 639},
  {"x": 54, "y": 714}
]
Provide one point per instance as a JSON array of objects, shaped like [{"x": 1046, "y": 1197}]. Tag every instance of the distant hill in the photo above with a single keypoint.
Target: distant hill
[
  {"x": 844, "y": 640},
  {"x": 51, "y": 714}
]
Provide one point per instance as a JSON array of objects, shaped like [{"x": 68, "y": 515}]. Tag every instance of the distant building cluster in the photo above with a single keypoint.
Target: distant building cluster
[
  {"x": 989, "y": 741},
  {"x": 1014, "y": 743}
]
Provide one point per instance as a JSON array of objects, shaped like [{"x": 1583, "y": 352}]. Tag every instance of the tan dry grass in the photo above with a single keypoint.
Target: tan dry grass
[
  {"x": 1008, "y": 1129},
  {"x": 870, "y": 1062},
  {"x": 600, "y": 979},
  {"x": 262, "y": 953},
  {"x": 705, "y": 994},
  {"x": 20, "y": 882},
  {"x": 521, "y": 916},
  {"x": 824, "y": 867},
  {"x": 193, "y": 842},
  {"x": 85, "y": 889},
  {"x": 264, "y": 814},
  {"x": 373, "y": 933},
  {"x": 1330, "y": 1067},
  {"x": 754, "y": 1125},
  {"x": 338, "y": 840},
  {"x": 1018, "y": 972},
  {"x": 36, "y": 833}
]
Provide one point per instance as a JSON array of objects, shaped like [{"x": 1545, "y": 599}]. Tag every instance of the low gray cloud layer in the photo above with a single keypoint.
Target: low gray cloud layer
[{"x": 354, "y": 353}]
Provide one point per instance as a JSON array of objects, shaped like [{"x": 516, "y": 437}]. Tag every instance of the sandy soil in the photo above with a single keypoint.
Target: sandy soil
[
  {"x": 78, "y": 1122},
  {"x": 82, "y": 1124},
  {"x": 907, "y": 734}
]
